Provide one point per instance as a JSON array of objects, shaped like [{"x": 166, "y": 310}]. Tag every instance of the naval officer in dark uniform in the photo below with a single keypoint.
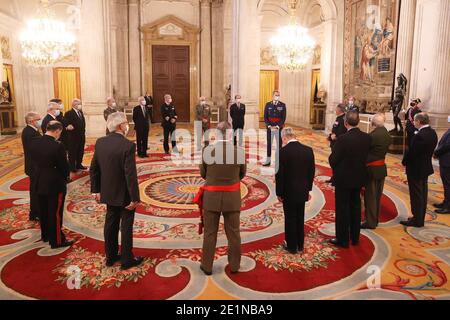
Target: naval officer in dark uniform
[
  {"x": 274, "y": 117},
  {"x": 169, "y": 123}
]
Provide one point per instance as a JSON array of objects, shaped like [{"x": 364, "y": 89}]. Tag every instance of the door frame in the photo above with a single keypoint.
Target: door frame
[{"x": 180, "y": 33}]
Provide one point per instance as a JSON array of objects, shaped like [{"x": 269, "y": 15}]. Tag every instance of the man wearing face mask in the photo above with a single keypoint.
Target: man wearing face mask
[
  {"x": 203, "y": 114},
  {"x": 351, "y": 106},
  {"x": 237, "y": 114},
  {"x": 409, "y": 117},
  {"x": 53, "y": 112},
  {"x": 29, "y": 134},
  {"x": 141, "y": 119},
  {"x": 274, "y": 117},
  {"x": 114, "y": 183},
  {"x": 110, "y": 109},
  {"x": 77, "y": 136},
  {"x": 60, "y": 118},
  {"x": 169, "y": 123},
  {"x": 50, "y": 183}
]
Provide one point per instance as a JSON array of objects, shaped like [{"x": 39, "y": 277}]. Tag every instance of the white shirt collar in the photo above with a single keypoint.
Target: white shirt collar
[
  {"x": 425, "y": 126},
  {"x": 52, "y": 116},
  {"x": 33, "y": 127},
  {"x": 292, "y": 140}
]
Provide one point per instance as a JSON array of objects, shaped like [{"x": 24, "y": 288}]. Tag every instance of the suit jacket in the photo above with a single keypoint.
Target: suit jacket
[
  {"x": 381, "y": 140},
  {"x": 78, "y": 122},
  {"x": 238, "y": 116},
  {"x": 113, "y": 171},
  {"x": 349, "y": 159},
  {"x": 338, "y": 129},
  {"x": 29, "y": 135},
  {"x": 51, "y": 169},
  {"x": 108, "y": 111},
  {"x": 418, "y": 158},
  {"x": 168, "y": 111},
  {"x": 443, "y": 150},
  {"x": 295, "y": 176},
  {"x": 141, "y": 122},
  {"x": 217, "y": 174},
  {"x": 47, "y": 119},
  {"x": 410, "y": 114}
]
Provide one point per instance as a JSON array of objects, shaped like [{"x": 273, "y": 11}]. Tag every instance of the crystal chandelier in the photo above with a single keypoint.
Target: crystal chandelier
[
  {"x": 46, "y": 41},
  {"x": 292, "y": 45}
]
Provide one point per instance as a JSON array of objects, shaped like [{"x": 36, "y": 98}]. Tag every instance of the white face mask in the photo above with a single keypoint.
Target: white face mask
[
  {"x": 127, "y": 130},
  {"x": 143, "y": 103},
  {"x": 202, "y": 103},
  {"x": 276, "y": 98},
  {"x": 38, "y": 124},
  {"x": 114, "y": 105},
  {"x": 238, "y": 100},
  {"x": 57, "y": 113},
  {"x": 80, "y": 107}
]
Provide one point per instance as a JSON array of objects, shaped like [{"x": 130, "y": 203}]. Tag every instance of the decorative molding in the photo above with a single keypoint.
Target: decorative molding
[
  {"x": 5, "y": 47},
  {"x": 267, "y": 57},
  {"x": 170, "y": 29}
]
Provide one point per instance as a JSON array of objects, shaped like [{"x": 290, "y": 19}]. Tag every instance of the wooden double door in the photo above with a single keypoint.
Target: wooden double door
[{"x": 171, "y": 76}]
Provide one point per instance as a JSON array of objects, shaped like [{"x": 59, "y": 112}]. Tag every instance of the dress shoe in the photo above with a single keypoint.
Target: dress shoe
[
  {"x": 134, "y": 263},
  {"x": 65, "y": 244},
  {"x": 285, "y": 247},
  {"x": 44, "y": 240},
  {"x": 338, "y": 244},
  {"x": 411, "y": 223},
  {"x": 366, "y": 226},
  {"x": 439, "y": 205},
  {"x": 208, "y": 273},
  {"x": 443, "y": 211},
  {"x": 34, "y": 219},
  {"x": 110, "y": 263},
  {"x": 267, "y": 164}
]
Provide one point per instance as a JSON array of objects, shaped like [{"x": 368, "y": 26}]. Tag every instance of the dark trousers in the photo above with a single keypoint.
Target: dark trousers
[
  {"x": 271, "y": 134},
  {"x": 76, "y": 152},
  {"x": 142, "y": 141},
  {"x": 372, "y": 201},
  {"x": 294, "y": 224},
  {"x": 238, "y": 132},
  {"x": 119, "y": 218},
  {"x": 52, "y": 208},
  {"x": 445, "y": 176},
  {"x": 232, "y": 230},
  {"x": 169, "y": 134},
  {"x": 418, "y": 194},
  {"x": 34, "y": 201},
  {"x": 348, "y": 214}
]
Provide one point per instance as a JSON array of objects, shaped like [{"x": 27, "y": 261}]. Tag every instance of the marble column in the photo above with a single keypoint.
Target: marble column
[
  {"x": 134, "y": 49},
  {"x": 440, "y": 95},
  {"x": 206, "y": 66},
  {"x": 406, "y": 40},
  {"x": 94, "y": 64},
  {"x": 246, "y": 57}
]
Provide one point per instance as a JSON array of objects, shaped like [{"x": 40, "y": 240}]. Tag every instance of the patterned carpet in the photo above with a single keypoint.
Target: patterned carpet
[{"x": 413, "y": 263}]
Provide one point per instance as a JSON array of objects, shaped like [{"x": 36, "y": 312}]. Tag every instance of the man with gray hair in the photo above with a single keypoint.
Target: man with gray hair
[
  {"x": 419, "y": 166},
  {"x": 377, "y": 170},
  {"x": 141, "y": 119},
  {"x": 294, "y": 181},
  {"x": 53, "y": 112},
  {"x": 169, "y": 123},
  {"x": 29, "y": 134},
  {"x": 114, "y": 183},
  {"x": 76, "y": 138},
  {"x": 221, "y": 195}
]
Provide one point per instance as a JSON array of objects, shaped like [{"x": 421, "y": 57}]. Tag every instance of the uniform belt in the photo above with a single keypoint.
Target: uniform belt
[
  {"x": 274, "y": 120},
  {"x": 198, "y": 200},
  {"x": 377, "y": 163}
]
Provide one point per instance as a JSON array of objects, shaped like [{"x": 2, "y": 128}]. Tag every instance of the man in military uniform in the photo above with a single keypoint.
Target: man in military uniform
[
  {"x": 203, "y": 114},
  {"x": 169, "y": 123},
  {"x": 237, "y": 114},
  {"x": 409, "y": 117},
  {"x": 50, "y": 183},
  {"x": 274, "y": 117},
  {"x": 339, "y": 126},
  {"x": 110, "y": 109}
]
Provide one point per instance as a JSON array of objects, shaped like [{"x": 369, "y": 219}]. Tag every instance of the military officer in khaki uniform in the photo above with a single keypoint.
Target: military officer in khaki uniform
[
  {"x": 221, "y": 195},
  {"x": 203, "y": 114}
]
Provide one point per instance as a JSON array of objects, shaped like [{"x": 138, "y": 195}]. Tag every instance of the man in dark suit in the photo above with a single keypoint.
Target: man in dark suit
[
  {"x": 141, "y": 119},
  {"x": 60, "y": 118},
  {"x": 76, "y": 136},
  {"x": 339, "y": 126},
  {"x": 274, "y": 116},
  {"x": 443, "y": 154},
  {"x": 29, "y": 134},
  {"x": 53, "y": 114},
  {"x": 294, "y": 181},
  {"x": 50, "y": 183},
  {"x": 376, "y": 165},
  {"x": 349, "y": 163},
  {"x": 419, "y": 166},
  {"x": 409, "y": 117},
  {"x": 169, "y": 123},
  {"x": 237, "y": 114},
  {"x": 222, "y": 195},
  {"x": 114, "y": 183}
]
